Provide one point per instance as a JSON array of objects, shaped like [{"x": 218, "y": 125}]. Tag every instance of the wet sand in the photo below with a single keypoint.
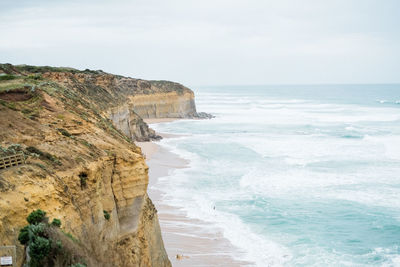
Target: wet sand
[
  {"x": 199, "y": 243},
  {"x": 158, "y": 120}
]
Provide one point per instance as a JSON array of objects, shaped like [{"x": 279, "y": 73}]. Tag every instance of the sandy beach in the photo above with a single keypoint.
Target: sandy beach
[
  {"x": 196, "y": 242},
  {"x": 158, "y": 120}
]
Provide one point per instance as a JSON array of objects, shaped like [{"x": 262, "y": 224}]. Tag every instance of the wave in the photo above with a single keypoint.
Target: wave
[
  {"x": 388, "y": 102},
  {"x": 198, "y": 205},
  {"x": 282, "y": 172}
]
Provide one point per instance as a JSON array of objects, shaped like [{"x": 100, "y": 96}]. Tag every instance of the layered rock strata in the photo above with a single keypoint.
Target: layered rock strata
[{"x": 77, "y": 129}]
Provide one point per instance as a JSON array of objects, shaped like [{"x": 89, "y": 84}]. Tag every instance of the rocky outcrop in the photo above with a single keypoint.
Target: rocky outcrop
[
  {"x": 77, "y": 130},
  {"x": 131, "y": 124}
]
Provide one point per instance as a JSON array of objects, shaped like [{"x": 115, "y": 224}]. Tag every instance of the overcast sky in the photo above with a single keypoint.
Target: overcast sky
[{"x": 209, "y": 42}]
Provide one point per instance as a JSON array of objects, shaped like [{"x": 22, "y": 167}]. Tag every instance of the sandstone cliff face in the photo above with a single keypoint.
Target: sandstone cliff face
[
  {"x": 126, "y": 101},
  {"x": 83, "y": 125},
  {"x": 131, "y": 124},
  {"x": 165, "y": 105},
  {"x": 163, "y": 99},
  {"x": 111, "y": 96}
]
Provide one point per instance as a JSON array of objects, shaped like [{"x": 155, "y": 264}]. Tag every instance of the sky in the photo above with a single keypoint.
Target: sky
[{"x": 209, "y": 42}]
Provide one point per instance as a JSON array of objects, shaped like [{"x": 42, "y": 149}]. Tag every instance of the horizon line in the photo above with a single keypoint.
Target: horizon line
[{"x": 293, "y": 84}]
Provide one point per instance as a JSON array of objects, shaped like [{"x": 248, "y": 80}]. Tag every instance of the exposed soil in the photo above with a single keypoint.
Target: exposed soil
[{"x": 15, "y": 96}]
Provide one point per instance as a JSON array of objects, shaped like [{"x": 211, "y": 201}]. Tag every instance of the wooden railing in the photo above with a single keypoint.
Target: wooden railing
[{"x": 13, "y": 160}]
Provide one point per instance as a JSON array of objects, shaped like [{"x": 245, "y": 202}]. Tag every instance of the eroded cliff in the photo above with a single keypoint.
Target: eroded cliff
[
  {"x": 76, "y": 129},
  {"x": 163, "y": 103}
]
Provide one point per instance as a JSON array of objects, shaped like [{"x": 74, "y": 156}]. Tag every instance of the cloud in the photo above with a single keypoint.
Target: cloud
[{"x": 209, "y": 42}]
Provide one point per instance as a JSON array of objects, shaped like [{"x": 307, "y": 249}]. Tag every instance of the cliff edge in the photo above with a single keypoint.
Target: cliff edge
[{"x": 76, "y": 130}]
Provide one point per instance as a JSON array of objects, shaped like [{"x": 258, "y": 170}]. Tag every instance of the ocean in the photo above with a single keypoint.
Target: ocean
[{"x": 305, "y": 175}]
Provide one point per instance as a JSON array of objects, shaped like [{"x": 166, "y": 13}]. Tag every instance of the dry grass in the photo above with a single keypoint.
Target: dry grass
[{"x": 71, "y": 251}]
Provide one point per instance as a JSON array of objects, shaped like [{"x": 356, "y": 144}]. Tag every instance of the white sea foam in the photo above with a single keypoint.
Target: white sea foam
[
  {"x": 199, "y": 206},
  {"x": 391, "y": 145},
  {"x": 289, "y": 150}
]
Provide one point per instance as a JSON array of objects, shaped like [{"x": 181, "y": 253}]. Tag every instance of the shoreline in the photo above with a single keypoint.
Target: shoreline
[
  {"x": 188, "y": 242},
  {"x": 159, "y": 120}
]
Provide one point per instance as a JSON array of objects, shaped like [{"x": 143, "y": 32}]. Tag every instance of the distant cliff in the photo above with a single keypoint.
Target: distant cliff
[
  {"x": 126, "y": 101},
  {"x": 77, "y": 129},
  {"x": 164, "y": 100}
]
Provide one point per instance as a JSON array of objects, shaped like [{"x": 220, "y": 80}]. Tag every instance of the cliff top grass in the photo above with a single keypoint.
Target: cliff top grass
[
  {"x": 33, "y": 106},
  {"x": 18, "y": 82},
  {"x": 17, "y": 75},
  {"x": 24, "y": 69},
  {"x": 169, "y": 86}
]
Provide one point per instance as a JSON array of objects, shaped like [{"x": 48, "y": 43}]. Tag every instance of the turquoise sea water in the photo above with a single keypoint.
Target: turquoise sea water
[{"x": 299, "y": 175}]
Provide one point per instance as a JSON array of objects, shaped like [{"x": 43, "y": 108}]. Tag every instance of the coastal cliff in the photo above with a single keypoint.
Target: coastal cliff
[
  {"x": 76, "y": 130},
  {"x": 177, "y": 102}
]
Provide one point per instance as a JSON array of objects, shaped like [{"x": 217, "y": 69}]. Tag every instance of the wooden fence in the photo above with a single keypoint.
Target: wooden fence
[{"x": 13, "y": 160}]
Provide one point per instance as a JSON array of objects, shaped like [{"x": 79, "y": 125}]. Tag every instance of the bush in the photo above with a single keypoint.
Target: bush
[
  {"x": 39, "y": 249},
  {"x": 83, "y": 178},
  {"x": 26, "y": 111},
  {"x": 59, "y": 245},
  {"x": 7, "y": 77},
  {"x": 78, "y": 265},
  {"x": 11, "y": 149},
  {"x": 23, "y": 236},
  {"x": 64, "y": 132},
  {"x": 106, "y": 215},
  {"x": 41, "y": 239},
  {"x": 37, "y": 229},
  {"x": 32, "y": 149},
  {"x": 56, "y": 222},
  {"x": 36, "y": 217},
  {"x": 29, "y": 232},
  {"x": 45, "y": 155},
  {"x": 35, "y": 77}
]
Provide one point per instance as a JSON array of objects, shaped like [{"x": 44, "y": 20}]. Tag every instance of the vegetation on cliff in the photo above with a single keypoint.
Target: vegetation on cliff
[
  {"x": 47, "y": 245},
  {"x": 80, "y": 166}
]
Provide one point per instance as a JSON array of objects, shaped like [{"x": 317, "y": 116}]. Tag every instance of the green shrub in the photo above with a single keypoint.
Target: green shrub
[
  {"x": 106, "y": 215},
  {"x": 37, "y": 229},
  {"x": 64, "y": 132},
  {"x": 39, "y": 249},
  {"x": 35, "y": 77},
  {"x": 56, "y": 222},
  {"x": 78, "y": 265},
  {"x": 59, "y": 245},
  {"x": 23, "y": 236},
  {"x": 45, "y": 155},
  {"x": 11, "y": 149},
  {"x": 77, "y": 122},
  {"x": 36, "y": 217},
  {"x": 32, "y": 149},
  {"x": 29, "y": 232},
  {"x": 41, "y": 166},
  {"x": 7, "y": 77},
  {"x": 39, "y": 239},
  {"x": 83, "y": 178}
]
